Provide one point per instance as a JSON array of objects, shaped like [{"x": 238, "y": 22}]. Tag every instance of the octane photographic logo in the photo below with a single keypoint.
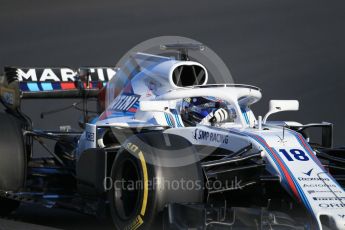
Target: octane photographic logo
[
  {"x": 142, "y": 61},
  {"x": 160, "y": 183}
]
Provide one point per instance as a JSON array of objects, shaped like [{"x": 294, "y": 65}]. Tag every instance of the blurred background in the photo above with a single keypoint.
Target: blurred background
[{"x": 291, "y": 49}]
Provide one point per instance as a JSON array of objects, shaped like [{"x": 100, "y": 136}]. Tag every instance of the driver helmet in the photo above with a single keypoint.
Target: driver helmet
[{"x": 194, "y": 109}]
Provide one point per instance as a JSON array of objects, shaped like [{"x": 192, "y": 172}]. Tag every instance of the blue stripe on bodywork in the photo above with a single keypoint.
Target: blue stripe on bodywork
[
  {"x": 24, "y": 86},
  {"x": 47, "y": 86},
  {"x": 168, "y": 119},
  {"x": 177, "y": 117},
  {"x": 309, "y": 151},
  {"x": 284, "y": 181},
  {"x": 56, "y": 85},
  {"x": 93, "y": 121},
  {"x": 120, "y": 114},
  {"x": 257, "y": 139},
  {"x": 33, "y": 87},
  {"x": 136, "y": 105},
  {"x": 245, "y": 115},
  {"x": 299, "y": 189}
]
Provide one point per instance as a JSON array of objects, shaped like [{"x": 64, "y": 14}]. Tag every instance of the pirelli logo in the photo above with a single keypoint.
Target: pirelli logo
[{"x": 124, "y": 102}]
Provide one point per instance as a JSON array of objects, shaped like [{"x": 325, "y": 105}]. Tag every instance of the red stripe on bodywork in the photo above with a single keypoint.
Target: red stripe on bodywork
[
  {"x": 308, "y": 149},
  {"x": 133, "y": 110},
  {"x": 67, "y": 85},
  {"x": 282, "y": 166},
  {"x": 105, "y": 115}
]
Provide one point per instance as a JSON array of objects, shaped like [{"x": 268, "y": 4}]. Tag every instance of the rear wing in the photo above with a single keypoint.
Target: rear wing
[{"x": 20, "y": 83}]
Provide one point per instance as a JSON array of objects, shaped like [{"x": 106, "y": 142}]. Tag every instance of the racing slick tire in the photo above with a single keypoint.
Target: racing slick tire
[
  {"x": 13, "y": 161},
  {"x": 141, "y": 159}
]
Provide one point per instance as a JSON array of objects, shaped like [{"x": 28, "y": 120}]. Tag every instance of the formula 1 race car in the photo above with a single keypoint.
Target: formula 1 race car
[{"x": 168, "y": 151}]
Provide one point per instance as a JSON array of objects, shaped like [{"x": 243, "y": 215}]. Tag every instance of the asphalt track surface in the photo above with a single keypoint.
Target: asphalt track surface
[{"x": 291, "y": 49}]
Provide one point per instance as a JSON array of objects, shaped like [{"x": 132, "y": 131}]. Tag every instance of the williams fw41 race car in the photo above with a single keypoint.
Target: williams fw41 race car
[{"x": 167, "y": 150}]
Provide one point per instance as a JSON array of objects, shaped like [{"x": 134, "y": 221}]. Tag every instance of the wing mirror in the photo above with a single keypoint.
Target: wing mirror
[
  {"x": 154, "y": 106},
  {"x": 277, "y": 106}
]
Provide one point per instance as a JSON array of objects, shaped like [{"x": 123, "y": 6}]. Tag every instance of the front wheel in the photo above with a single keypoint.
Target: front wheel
[{"x": 143, "y": 184}]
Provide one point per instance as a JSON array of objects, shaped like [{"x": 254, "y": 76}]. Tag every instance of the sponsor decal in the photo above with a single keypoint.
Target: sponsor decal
[
  {"x": 124, "y": 102},
  {"x": 318, "y": 185},
  {"x": 312, "y": 179},
  {"x": 332, "y": 205},
  {"x": 309, "y": 172},
  {"x": 90, "y": 136},
  {"x": 134, "y": 149},
  {"x": 210, "y": 136},
  {"x": 138, "y": 221},
  {"x": 294, "y": 154},
  {"x": 61, "y": 74},
  {"x": 329, "y": 198},
  {"x": 322, "y": 191}
]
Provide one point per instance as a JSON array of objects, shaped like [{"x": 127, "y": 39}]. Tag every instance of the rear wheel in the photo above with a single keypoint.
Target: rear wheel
[
  {"x": 138, "y": 195},
  {"x": 13, "y": 160}
]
